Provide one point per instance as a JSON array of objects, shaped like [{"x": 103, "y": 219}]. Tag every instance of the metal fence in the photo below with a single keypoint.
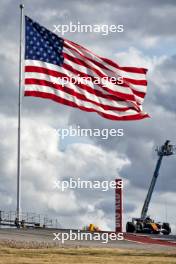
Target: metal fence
[{"x": 9, "y": 218}]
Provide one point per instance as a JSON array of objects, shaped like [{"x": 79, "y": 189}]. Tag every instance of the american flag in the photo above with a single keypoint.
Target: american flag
[{"x": 50, "y": 59}]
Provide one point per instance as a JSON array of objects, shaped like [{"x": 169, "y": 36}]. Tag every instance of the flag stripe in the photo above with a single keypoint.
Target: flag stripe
[
  {"x": 44, "y": 92},
  {"x": 99, "y": 62},
  {"x": 89, "y": 71},
  {"x": 139, "y": 84},
  {"x": 105, "y": 60},
  {"x": 70, "y": 89},
  {"x": 120, "y": 93},
  {"x": 102, "y": 73},
  {"x": 84, "y": 89},
  {"x": 129, "y": 88},
  {"x": 125, "y": 94},
  {"x": 62, "y": 73},
  {"x": 42, "y": 73}
]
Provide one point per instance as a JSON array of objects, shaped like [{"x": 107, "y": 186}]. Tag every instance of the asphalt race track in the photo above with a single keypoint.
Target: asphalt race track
[{"x": 130, "y": 241}]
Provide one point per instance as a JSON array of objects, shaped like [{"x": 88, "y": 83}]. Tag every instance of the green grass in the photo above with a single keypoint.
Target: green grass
[{"x": 9, "y": 254}]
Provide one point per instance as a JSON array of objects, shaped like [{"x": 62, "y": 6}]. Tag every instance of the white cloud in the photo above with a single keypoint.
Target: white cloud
[
  {"x": 136, "y": 58},
  {"x": 43, "y": 163}
]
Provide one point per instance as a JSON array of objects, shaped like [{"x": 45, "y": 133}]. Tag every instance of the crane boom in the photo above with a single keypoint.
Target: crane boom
[{"x": 165, "y": 150}]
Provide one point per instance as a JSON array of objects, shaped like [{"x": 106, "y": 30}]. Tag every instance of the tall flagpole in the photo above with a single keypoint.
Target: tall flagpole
[{"x": 19, "y": 115}]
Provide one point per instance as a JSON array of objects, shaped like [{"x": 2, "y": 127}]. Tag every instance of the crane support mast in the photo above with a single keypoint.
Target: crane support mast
[{"x": 165, "y": 150}]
